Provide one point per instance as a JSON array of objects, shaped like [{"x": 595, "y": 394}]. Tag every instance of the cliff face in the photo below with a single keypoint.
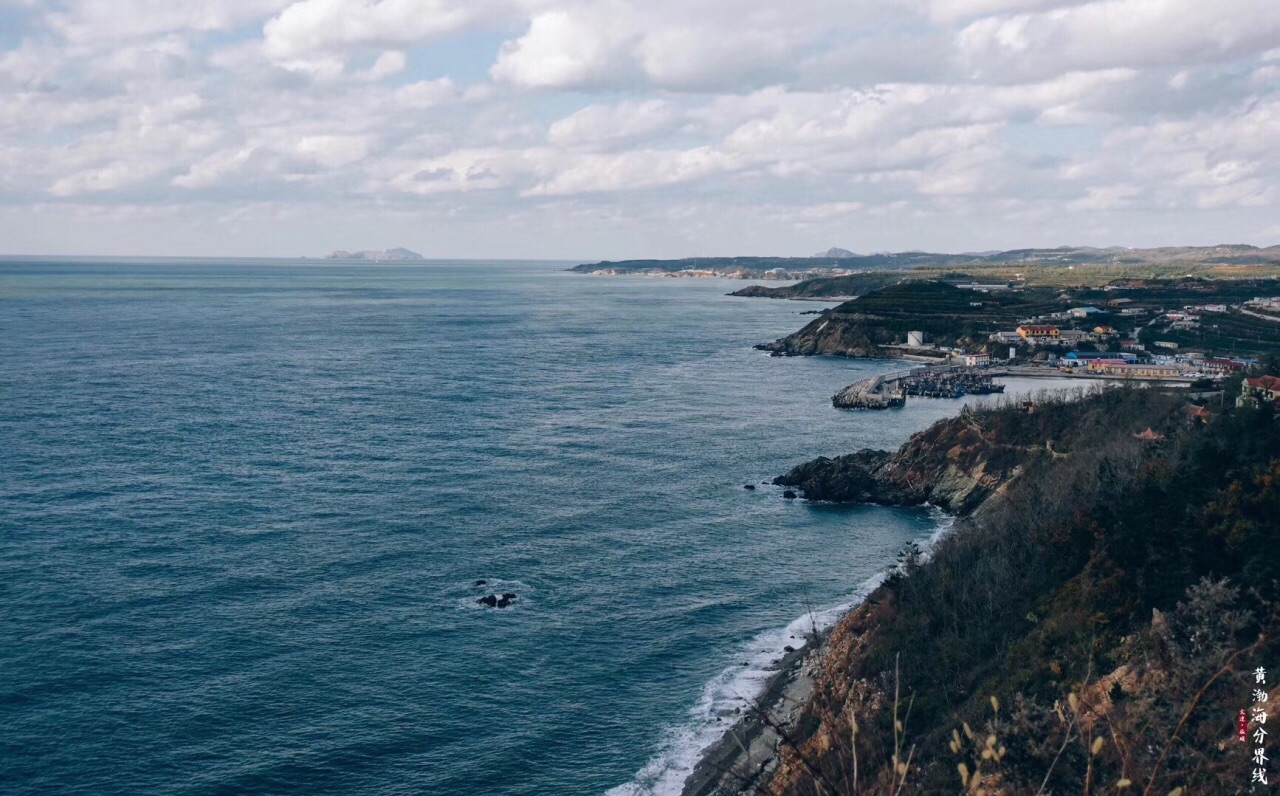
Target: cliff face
[
  {"x": 952, "y": 465},
  {"x": 1095, "y": 568},
  {"x": 944, "y": 313},
  {"x": 841, "y": 287},
  {"x": 837, "y": 333}
]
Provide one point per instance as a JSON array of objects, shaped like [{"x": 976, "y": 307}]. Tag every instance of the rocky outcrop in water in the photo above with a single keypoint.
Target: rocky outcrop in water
[{"x": 951, "y": 465}]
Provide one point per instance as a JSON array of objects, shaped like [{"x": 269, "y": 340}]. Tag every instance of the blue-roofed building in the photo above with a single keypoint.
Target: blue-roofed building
[
  {"x": 1089, "y": 356},
  {"x": 1083, "y": 312}
]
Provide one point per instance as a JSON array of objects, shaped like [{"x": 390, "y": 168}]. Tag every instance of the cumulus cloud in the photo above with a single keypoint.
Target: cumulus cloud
[
  {"x": 85, "y": 20},
  {"x": 612, "y": 125},
  {"x": 1117, "y": 33},
  {"x": 305, "y": 27},
  {"x": 657, "y": 119},
  {"x": 574, "y": 47}
]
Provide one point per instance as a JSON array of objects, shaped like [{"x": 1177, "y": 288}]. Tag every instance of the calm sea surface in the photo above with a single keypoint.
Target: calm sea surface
[{"x": 243, "y": 504}]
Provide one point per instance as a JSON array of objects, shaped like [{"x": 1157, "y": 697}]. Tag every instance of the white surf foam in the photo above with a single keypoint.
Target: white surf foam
[
  {"x": 736, "y": 689},
  {"x": 731, "y": 693}
]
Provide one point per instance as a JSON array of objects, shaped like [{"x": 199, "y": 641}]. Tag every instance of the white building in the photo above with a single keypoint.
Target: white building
[{"x": 915, "y": 339}]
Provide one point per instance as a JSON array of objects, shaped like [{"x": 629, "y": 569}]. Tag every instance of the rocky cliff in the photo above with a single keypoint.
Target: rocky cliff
[
  {"x": 953, "y": 465},
  {"x": 1092, "y": 589},
  {"x": 837, "y": 333},
  {"x": 944, "y": 313},
  {"x": 833, "y": 287}
]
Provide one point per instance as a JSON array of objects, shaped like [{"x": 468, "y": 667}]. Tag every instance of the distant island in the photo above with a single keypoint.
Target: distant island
[
  {"x": 841, "y": 262},
  {"x": 390, "y": 255}
]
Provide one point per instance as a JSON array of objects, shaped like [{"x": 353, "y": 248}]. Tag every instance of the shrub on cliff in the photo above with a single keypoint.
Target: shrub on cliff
[{"x": 1133, "y": 575}]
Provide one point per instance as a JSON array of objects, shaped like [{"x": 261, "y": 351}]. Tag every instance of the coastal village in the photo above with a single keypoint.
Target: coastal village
[
  {"x": 1118, "y": 340},
  {"x": 1121, "y": 338}
]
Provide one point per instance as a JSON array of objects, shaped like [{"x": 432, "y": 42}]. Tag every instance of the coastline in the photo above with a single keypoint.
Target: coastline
[
  {"x": 747, "y": 754},
  {"x": 748, "y": 751}
]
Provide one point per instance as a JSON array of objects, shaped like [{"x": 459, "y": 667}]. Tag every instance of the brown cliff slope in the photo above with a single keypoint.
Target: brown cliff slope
[{"x": 1126, "y": 577}]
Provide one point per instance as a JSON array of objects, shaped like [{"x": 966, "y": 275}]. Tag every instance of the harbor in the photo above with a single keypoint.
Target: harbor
[{"x": 889, "y": 390}]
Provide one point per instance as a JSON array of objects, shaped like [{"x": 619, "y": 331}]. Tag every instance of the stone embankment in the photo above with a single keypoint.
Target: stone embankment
[{"x": 877, "y": 392}]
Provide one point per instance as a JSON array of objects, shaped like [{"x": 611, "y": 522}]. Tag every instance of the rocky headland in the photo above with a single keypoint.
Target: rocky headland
[
  {"x": 870, "y": 324},
  {"x": 952, "y": 465},
  {"x": 829, "y": 287},
  {"x": 1094, "y": 583}
]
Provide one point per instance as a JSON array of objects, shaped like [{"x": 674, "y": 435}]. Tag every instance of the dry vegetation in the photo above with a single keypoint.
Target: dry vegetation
[{"x": 1091, "y": 632}]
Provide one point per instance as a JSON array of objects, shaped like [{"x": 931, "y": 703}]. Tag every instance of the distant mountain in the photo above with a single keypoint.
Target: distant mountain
[
  {"x": 390, "y": 255},
  {"x": 836, "y": 253}
]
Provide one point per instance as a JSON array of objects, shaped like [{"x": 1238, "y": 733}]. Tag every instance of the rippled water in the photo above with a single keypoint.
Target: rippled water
[{"x": 242, "y": 506}]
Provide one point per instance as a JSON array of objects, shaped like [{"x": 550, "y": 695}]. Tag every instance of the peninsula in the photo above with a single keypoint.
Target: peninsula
[
  {"x": 1096, "y": 613},
  {"x": 1108, "y": 587},
  {"x": 838, "y": 262}
]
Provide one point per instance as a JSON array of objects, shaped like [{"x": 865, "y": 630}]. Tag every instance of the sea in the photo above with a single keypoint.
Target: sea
[{"x": 244, "y": 505}]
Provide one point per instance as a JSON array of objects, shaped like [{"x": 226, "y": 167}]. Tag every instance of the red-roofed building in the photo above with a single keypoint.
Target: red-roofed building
[
  {"x": 1263, "y": 389},
  {"x": 1198, "y": 414},
  {"x": 1220, "y": 365}
]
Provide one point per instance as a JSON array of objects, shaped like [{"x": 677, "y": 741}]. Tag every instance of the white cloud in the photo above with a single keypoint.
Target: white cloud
[
  {"x": 752, "y": 120},
  {"x": 573, "y": 47},
  {"x": 1117, "y": 33},
  {"x": 391, "y": 62},
  {"x": 211, "y": 170},
  {"x": 333, "y": 151},
  {"x": 306, "y": 27},
  {"x": 634, "y": 170},
  {"x": 85, "y": 20},
  {"x": 610, "y": 125},
  {"x": 1107, "y": 197}
]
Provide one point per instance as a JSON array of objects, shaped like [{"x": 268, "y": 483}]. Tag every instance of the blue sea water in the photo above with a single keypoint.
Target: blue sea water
[{"x": 243, "y": 504}]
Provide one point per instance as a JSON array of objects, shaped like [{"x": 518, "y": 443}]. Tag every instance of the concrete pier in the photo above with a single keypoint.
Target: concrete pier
[{"x": 939, "y": 381}]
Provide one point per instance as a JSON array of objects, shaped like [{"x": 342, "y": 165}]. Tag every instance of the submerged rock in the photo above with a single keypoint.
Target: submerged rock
[
  {"x": 789, "y": 495},
  {"x": 481, "y": 582},
  {"x": 494, "y": 601},
  {"x": 749, "y": 487}
]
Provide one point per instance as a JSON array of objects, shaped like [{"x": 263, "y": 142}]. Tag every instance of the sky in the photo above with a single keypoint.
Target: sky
[{"x": 610, "y": 129}]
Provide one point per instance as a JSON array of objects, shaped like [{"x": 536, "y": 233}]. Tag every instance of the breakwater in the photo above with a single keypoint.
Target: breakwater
[{"x": 889, "y": 390}]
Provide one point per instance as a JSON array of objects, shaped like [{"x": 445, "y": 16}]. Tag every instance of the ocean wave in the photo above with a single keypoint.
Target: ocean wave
[{"x": 738, "y": 686}]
